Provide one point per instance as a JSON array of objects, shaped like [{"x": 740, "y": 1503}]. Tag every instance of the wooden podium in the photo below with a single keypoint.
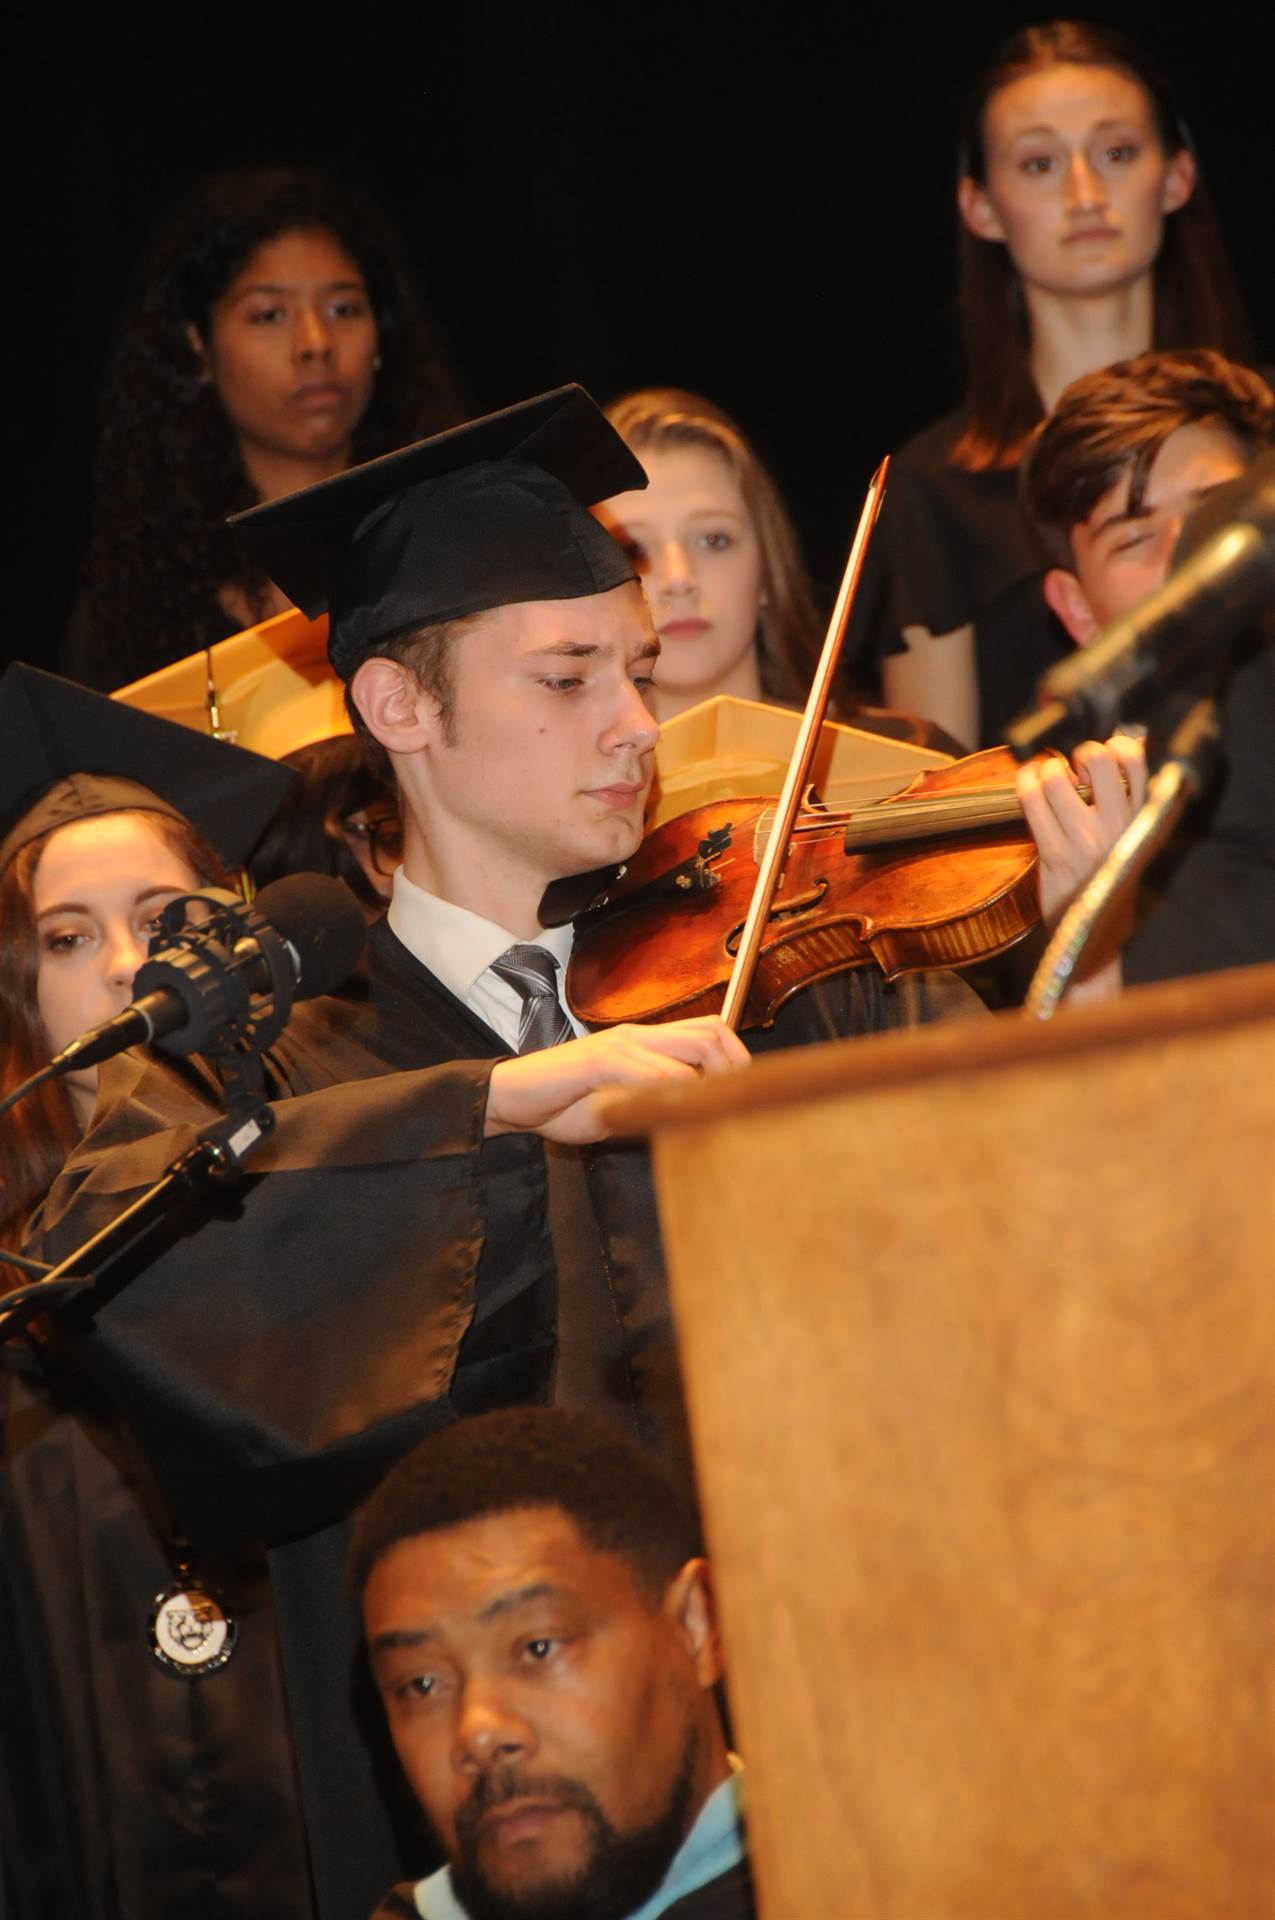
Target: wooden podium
[{"x": 977, "y": 1328}]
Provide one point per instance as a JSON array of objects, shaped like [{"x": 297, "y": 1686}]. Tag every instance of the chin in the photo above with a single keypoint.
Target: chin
[{"x": 624, "y": 835}]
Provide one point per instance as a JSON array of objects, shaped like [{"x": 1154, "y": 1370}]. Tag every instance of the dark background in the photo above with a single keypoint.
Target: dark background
[{"x": 753, "y": 203}]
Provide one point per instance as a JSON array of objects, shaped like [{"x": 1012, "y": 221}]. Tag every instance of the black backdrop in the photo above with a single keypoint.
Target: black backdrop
[{"x": 752, "y": 202}]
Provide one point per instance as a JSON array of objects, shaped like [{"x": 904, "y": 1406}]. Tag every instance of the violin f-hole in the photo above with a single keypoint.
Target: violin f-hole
[{"x": 782, "y": 910}]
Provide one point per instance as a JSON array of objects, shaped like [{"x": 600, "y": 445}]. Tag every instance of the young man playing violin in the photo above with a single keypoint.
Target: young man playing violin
[
  {"x": 1108, "y": 479},
  {"x": 441, "y": 1226}
]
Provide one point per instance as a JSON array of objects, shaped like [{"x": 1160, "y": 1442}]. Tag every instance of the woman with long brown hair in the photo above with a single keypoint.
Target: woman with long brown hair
[
  {"x": 1086, "y": 236},
  {"x": 128, "y": 1784},
  {"x": 721, "y": 565}
]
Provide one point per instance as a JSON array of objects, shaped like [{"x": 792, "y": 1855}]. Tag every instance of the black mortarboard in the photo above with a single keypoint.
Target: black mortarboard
[
  {"x": 67, "y": 753},
  {"x": 485, "y": 515}
]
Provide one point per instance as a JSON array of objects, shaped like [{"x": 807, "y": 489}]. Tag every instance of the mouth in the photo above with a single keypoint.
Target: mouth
[
  {"x": 620, "y": 794},
  {"x": 683, "y": 629},
  {"x": 516, "y": 1821},
  {"x": 319, "y": 394},
  {"x": 1089, "y": 233}
]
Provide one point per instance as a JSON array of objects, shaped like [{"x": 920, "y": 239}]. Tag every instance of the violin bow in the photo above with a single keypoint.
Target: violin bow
[{"x": 770, "y": 870}]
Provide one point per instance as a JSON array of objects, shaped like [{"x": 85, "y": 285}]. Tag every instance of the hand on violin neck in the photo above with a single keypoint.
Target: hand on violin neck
[
  {"x": 555, "y": 1092},
  {"x": 1074, "y": 835}
]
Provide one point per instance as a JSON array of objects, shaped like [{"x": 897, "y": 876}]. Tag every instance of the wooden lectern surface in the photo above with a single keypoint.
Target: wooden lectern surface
[{"x": 977, "y": 1328}]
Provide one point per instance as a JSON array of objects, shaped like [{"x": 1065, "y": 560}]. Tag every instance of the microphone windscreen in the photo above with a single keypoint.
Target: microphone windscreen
[{"x": 324, "y": 923}]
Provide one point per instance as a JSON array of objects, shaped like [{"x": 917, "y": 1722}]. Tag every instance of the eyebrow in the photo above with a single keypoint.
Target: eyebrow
[
  {"x": 293, "y": 286},
  {"x": 589, "y": 650},
  {"x": 399, "y": 1637},
  {"x": 78, "y": 906},
  {"x": 696, "y": 513},
  {"x": 1099, "y": 126},
  {"x": 1146, "y": 512}
]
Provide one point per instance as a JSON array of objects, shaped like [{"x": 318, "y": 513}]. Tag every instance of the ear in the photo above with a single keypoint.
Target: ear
[
  {"x": 393, "y": 707},
  {"x": 1067, "y": 598},
  {"x": 200, "y": 351},
  {"x": 1179, "y": 181},
  {"x": 977, "y": 211},
  {"x": 689, "y": 1602}
]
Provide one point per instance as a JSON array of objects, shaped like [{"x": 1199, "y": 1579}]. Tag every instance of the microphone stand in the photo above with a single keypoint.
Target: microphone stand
[
  {"x": 1188, "y": 763},
  {"x": 216, "y": 1155}
]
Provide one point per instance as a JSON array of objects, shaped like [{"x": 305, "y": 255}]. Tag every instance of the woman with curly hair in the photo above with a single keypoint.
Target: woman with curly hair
[
  {"x": 272, "y": 337},
  {"x": 1086, "y": 236}
]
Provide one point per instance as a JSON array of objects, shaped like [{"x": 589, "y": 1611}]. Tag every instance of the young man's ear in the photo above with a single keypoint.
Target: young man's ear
[
  {"x": 690, "y": 1603},
  {"x": 394, "y": 708},
  {"x": 977, "y": 211},
  {"x": 1067, "y": 598}
]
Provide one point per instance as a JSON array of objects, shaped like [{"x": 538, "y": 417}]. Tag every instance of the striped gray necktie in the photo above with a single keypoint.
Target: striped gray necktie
[{"x": 532, "y": 972}]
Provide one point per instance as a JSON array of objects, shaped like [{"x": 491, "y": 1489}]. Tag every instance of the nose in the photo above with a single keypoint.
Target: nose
[
  {"x": 1167, "y": 544},
  {"x": 489, "y": 1732},
  {"x": 124, "y": 953},
  {"x": 635, "y": 726},
  {"x": 672, "y": 573},
  {"x": 312, "y": 337},
  {"x": 1085, "y": 188}
]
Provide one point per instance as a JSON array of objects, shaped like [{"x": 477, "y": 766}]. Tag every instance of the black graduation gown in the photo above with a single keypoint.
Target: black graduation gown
[
  {"x": 128, "y": 1792},
  {"x": 381, "y": 1269}
]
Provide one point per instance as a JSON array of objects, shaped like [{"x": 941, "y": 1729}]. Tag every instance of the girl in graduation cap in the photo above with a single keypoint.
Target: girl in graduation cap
[
  {"x": 89, "y": 854},
  {"x": 128, "y": 1786}
]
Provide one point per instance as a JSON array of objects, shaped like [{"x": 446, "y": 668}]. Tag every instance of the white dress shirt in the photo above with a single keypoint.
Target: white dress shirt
[{"x": 458, "y": 947}]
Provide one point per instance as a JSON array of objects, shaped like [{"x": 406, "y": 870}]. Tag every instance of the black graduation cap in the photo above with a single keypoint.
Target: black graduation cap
[
  {"x": 67, "y": 753},
  {"x": 484, "y": 515}
]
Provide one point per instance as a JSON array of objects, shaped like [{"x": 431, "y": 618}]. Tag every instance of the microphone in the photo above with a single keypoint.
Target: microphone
[
  {"x": 1223, "y": 578},
  {"x": 300, "y": 936}
]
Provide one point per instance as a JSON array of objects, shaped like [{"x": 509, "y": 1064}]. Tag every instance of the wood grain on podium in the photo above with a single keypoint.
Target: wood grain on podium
[{"x": 979, "y": 1343}]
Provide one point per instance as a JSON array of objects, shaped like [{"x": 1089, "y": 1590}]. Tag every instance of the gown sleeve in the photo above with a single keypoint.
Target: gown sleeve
[{"x": 279, "y": 1341}]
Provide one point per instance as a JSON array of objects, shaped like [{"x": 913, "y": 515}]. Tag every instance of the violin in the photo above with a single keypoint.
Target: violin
[
  {"x": 732, "y": 907},
  {"x": 941, "y": 874}
]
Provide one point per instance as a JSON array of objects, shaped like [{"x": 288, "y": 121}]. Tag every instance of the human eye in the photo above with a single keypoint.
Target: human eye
[
  {"x": 416, "y": 1689},
  {"x": 1036, "y": 166},
  {"x": 351, "y": 306},
  {"x": 150, "y": 916},
  {"x": 1120, "y": 153},
  {"x": 267, "y": 316},
  {"x": 63, "y": 940},
  {"x": 716, "y": 540},
  {"x": 561, "y": 682},
  {"x": 540, "y": 1648}
]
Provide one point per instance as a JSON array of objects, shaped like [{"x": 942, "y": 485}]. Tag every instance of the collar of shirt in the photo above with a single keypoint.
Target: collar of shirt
[
  {"x": 458, "y": 947},
  {"x": 714, "y": 1844}
]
